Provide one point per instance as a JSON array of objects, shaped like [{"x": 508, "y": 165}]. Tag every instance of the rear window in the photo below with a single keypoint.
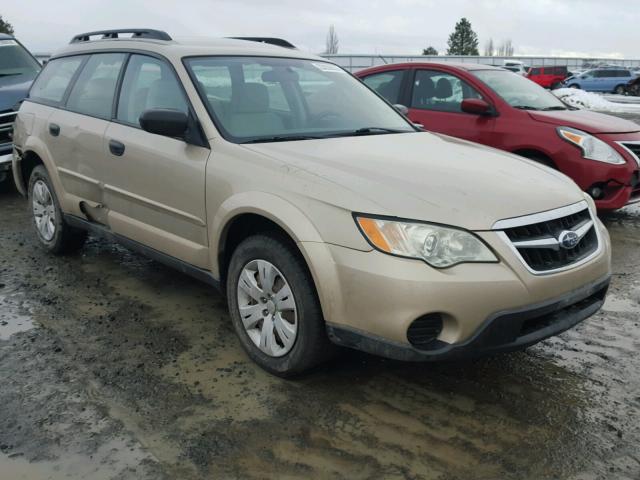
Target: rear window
[{"x": 53, "y": 81}]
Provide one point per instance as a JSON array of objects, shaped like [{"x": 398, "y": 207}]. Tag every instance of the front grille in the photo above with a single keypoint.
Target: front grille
[
  {"x": 7, "y": 117},
  {"x": 554, "y": 240}
]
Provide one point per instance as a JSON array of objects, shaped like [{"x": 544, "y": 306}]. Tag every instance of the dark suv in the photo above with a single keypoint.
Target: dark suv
[{"x": 18, "y": 69}]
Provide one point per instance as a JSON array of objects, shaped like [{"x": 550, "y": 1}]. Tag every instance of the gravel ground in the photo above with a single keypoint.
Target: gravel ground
[{"x": 115, "y": 367}]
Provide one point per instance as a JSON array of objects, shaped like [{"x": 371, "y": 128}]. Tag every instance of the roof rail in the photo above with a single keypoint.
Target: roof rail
[
  {"x": 279, "y": 42},
  {"x": 111, "y": 34}
]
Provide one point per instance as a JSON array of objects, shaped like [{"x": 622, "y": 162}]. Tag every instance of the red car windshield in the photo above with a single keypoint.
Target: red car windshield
[{"x": 519, "y": 92}]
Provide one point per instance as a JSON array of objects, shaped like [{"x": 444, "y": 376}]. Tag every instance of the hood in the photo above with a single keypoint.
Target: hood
[
  {"x": 425, "y": 176},
  {"x": 13, "y": 89},
  {"x": 590, "y": 122}
]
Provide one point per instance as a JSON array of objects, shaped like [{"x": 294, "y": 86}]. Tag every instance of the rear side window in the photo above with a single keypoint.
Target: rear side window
[
  {"x": 148, "y": 84},
  {"x": 93, "y": 92},
  {"x": 53, "y": 81},
  {"x": 387, "y": 84},
  {"x": 537, "y": 71}
]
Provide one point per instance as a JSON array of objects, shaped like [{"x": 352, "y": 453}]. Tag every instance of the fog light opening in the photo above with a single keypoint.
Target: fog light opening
[
  {"x": 425, "y": 330},
  {"x": 596, "y": 192}
]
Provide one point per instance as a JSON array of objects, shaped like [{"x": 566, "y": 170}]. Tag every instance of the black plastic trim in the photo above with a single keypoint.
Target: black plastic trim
[
  {"x": 497, "y": 334},
  {"x": 173, "y": 262}
]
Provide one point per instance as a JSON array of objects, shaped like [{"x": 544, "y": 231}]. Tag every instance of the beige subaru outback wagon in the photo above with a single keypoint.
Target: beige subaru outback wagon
[{"x": 324, "y": 215}]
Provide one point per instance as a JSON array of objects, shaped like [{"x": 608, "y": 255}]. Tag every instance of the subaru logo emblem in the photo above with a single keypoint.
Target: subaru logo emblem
[{"x": 568, "y": 239}]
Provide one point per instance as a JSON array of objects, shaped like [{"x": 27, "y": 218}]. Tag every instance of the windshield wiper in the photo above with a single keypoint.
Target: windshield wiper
[
  {"x": 9, "y": 74},
  {"x": 282, "y": 138},
  {"x": 525, "y": 107},
  {"x": 368, "y": 131},
  {"x": 558, "y": 107}
]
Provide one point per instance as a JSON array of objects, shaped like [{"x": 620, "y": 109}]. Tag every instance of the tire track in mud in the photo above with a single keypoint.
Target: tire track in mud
[{"x": 151, "y": 355}]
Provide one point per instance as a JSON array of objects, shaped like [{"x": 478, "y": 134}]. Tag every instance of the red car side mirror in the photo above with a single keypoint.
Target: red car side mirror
[{"x": 476, "y": 106}]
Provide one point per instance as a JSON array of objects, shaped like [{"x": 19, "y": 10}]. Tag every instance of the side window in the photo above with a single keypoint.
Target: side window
[
  {"x": 387, "y": 84},
  {"x": 148, "y": 83},
  {"x": 433, "y": 90},
  {"x": 537, "y": 71},
  {"x": 93, "y": 92},
  {"x": 53, "y": 81}
]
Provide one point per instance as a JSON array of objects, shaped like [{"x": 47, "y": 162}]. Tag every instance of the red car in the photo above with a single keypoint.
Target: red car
[
  {"x": 494, "y": 107},
  {"x": 548, "y": 77}
]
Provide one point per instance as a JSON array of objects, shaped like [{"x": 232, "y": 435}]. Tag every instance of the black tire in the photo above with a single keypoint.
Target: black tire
[
  {"x": 574, "y": 85},
  {"x": 556, "y": 85},
  {"x": 620, "y": 90},
  {"x": 66, "y": 239},
  {"x": 312, "y": 346}
]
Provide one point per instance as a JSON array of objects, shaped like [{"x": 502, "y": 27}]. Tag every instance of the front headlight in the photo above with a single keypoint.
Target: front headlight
[
  {"x": 592, "y": 147},
  {"x": 439, "y": 246}
]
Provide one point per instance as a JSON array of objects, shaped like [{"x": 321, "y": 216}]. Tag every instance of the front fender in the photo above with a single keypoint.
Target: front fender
[{"x": 280, "y": 211}]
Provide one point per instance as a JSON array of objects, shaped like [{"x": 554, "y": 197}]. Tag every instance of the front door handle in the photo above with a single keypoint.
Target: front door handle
[
  {"x": 116, "y": 147},
  {"x": 54, "y": 129}
]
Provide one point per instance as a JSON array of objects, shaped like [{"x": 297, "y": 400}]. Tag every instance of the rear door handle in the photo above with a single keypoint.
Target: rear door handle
[
  {"x": 116, "y": 147},
  {"x": 54, "y": 129}
]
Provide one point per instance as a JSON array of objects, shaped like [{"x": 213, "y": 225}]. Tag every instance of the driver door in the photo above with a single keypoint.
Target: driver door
[{"x": 436, "y": 99}]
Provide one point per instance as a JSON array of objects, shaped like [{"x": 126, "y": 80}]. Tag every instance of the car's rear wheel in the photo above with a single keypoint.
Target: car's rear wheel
[
  {"x": 52, "y": 231},
  {"x": 274, "y": 306},
  {"x": 556, "y": 85},
  {"x": 574, "y": 85}
]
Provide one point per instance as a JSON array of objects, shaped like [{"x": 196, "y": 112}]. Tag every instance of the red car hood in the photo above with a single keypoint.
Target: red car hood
[{"x": 590, "y": 122}]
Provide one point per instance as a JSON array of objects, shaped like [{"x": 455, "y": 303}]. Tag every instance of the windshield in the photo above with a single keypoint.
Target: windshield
[
  {"x": 15, "y": 60},
  {"x": 519, "y": 92},
  {"x": 261, "y": 99}
]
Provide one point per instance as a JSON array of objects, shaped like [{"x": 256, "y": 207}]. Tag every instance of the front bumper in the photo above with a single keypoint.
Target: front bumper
[
  {"x": 375, "y": 298},
  {"x": 504, "y": 332}
]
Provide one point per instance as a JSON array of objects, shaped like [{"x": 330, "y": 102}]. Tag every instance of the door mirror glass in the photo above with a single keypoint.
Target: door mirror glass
[
  {"x": 402, "y": 109},
  {"x": 165, "y": 122},
  {"x": 476, "y": 106}
]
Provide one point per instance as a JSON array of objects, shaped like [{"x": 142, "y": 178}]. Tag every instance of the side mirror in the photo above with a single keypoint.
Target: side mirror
[
  {"x": 165, "y": 122},
  {"x": 402, "y": 109},
  {"x": 476, "y": 106}
]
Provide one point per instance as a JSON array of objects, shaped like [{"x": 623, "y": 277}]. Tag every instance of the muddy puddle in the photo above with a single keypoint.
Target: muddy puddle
[{"x": 115, "y": 367}]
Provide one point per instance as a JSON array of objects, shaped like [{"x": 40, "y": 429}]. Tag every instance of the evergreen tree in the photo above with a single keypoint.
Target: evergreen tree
[
  {"x": 5, "y": 27},
  {"x": 429, "y": 51},
  {"x": 463, "y": 40}
]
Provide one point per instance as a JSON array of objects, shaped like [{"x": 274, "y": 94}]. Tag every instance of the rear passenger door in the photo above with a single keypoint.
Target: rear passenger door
[
  {"x": 154, "y": 186},
  {"x": 82, "y": 124}
]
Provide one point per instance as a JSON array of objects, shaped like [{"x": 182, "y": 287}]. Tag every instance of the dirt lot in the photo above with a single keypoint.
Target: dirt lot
[{"x": 114, "y": 367}]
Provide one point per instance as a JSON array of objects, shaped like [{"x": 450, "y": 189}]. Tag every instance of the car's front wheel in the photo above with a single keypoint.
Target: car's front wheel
[
  {"x": 52, "y": 231},
  {"x": 620, "y": 90},
  {"x": 274, "y": 306}
]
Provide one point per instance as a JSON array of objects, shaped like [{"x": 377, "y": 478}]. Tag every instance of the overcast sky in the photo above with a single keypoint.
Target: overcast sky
[{"x": 546, "y": 27}]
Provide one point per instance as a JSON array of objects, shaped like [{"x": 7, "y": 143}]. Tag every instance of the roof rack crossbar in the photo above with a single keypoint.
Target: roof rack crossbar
[
  {"x": 111, "y": 34},
  {"x": 270, "y": 40}
]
